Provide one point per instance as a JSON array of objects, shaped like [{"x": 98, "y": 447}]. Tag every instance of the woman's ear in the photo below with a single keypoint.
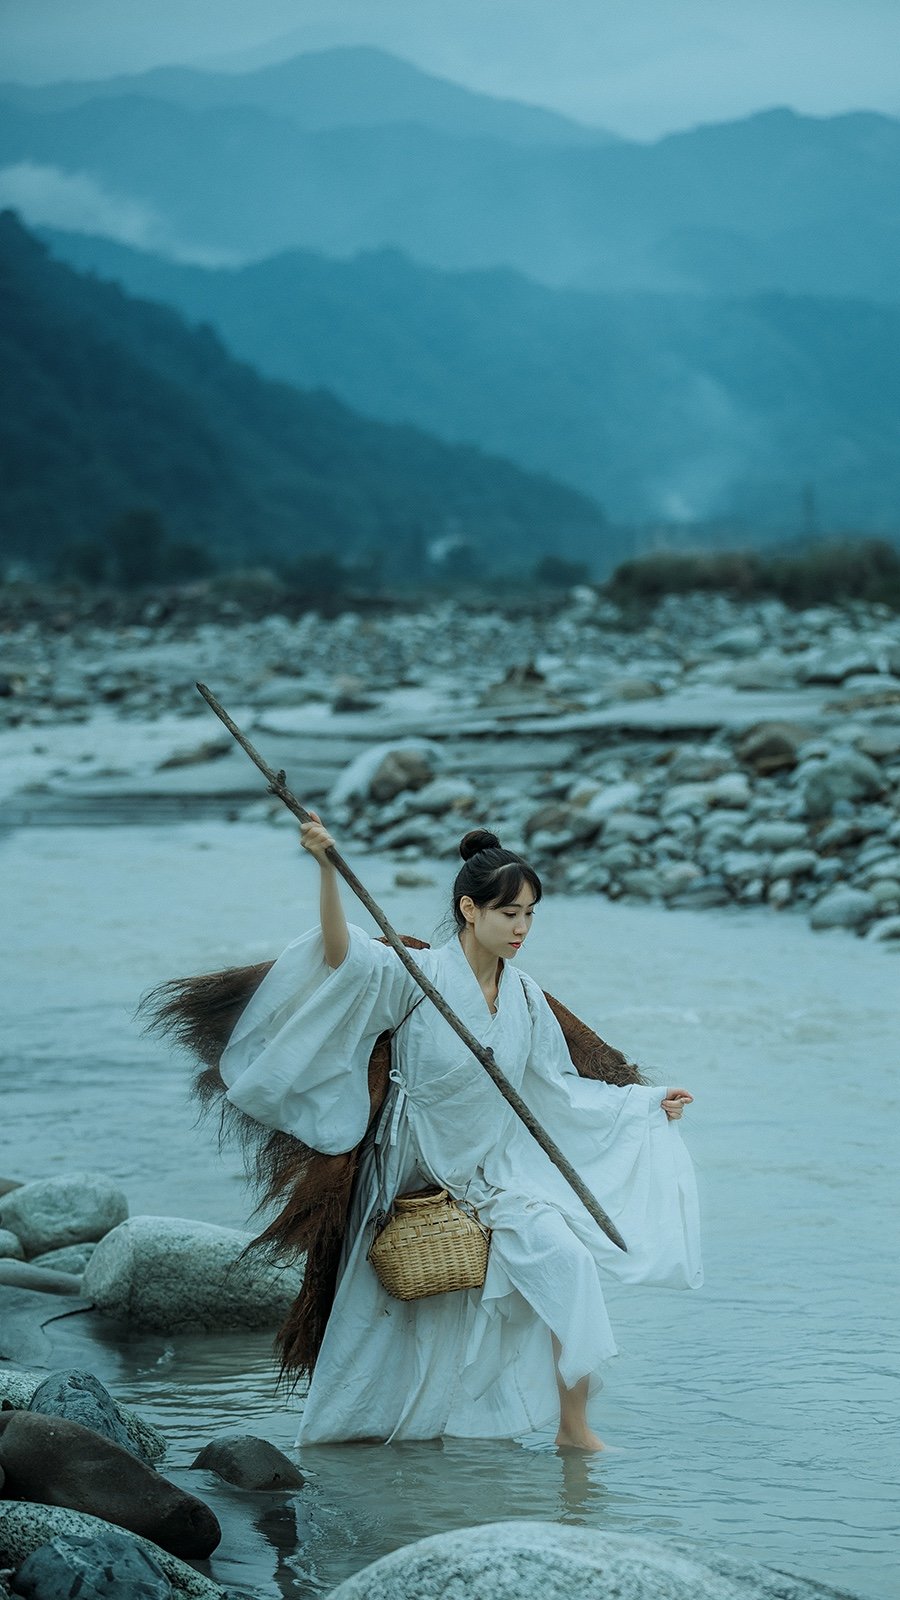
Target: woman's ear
[{"x": 468, "y": 908}]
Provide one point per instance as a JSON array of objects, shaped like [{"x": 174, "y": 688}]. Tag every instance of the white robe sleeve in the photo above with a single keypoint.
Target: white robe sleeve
[
  {"x": 626, "y": 1150},
  {"x": 297, "y": 1059}
]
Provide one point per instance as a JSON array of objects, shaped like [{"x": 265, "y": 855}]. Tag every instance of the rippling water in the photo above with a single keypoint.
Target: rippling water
[{"x": 758, "y": 1416}]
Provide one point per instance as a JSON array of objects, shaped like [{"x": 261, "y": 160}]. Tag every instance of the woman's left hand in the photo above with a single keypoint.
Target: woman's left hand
[{"x": 674, "y": 1103}]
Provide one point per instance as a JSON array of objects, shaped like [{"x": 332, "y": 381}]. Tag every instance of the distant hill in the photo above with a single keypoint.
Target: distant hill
[
  {"x": 660, "y": 406},
  {"x": 108, "y": 403},
  {"x": 775, "y": 202},
  {"x": 346, "y": 87}
]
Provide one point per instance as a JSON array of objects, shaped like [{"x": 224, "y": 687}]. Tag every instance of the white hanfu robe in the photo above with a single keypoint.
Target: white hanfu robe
[{"x": 472, "y": 1363}]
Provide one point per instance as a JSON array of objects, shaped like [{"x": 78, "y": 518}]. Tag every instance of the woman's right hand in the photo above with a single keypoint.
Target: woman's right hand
[{"x": 315, "y": 838}]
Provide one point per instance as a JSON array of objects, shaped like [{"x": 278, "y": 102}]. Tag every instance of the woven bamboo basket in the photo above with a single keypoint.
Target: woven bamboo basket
[{"x": 429, "y": 1245}]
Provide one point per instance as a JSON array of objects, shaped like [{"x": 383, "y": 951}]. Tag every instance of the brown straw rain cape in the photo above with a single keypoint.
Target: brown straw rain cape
[{"x": 312, "y": 1189}]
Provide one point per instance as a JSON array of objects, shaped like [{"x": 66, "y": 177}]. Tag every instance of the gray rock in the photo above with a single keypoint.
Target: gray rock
[
  {"x": 631, "y": 825},
  {"x": 169, "y": 1273},
  {"x": 690, "y": 797},
  {"x": 146, "y": 1442},
  {"x": 249, "y": 1463},
  {"x": 844, "y": 775},
  {"x": 525, "y": 1560},
  {"x": 23, "y": 1275},
  {"x": 60, "y": 1211},
  {"x": 408, "y": 878},
  {"x": 703, "y": 894},
  {"x": 643, "y": 883},
  {"x": 886, "y": 930},
  {"x": 71, "y": 1258},
  {"x": 109, "y": 1567},
  {"x": 843, "y": 907},
  {"x": 81, "y": 1397},
  {"x": 886, "y": 891},
  {"x": 11, "y": 1245},
  {"x": 385, "y": 770},
  {"x": 731, "y": 789},
  {"x": 880, "y": 743},
  {"x": 633, "y": 689},
  {"x": 885, "y": 866},
  {"x": 774, "y": 835},
  {"x": 445, "y": 794},
  {"x": 744, "y": 639},
  {"x": 780, "y": 893},
  {"x": 25, "y": 1526},
  {"x": 699, "y": 763},
  {"x": 771, "y": 746},
  {"x": 794, "y": 863},
  {"x": 742, "y": 865},
  {"x": 619, "y": 858},
  {"x": 676, "y": 876},
  {"x": 613, "y": 797}
]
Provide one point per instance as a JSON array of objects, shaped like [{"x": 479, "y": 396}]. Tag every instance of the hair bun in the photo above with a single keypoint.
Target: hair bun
[{"x": 477, "y": 839}]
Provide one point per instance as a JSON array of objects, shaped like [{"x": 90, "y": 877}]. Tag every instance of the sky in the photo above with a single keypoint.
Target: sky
[{"x": 640, "y": 67}]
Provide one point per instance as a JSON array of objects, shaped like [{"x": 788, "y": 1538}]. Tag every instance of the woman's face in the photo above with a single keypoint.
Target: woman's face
[{"x": 501, "y": 930}]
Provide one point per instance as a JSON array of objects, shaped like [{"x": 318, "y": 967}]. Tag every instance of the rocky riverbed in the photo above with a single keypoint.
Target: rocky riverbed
[{"x": 713, "y": 754}]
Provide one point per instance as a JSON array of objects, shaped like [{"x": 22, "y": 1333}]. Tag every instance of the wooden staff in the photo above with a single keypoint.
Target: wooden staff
[{"x": 277, "y": 782}]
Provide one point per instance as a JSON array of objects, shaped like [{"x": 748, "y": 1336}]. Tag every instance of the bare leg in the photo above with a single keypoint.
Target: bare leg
[{"x": 574, "y": 1433}]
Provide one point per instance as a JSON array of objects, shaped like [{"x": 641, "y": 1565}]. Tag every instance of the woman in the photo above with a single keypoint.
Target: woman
[{"x": 526, "y": 1348}]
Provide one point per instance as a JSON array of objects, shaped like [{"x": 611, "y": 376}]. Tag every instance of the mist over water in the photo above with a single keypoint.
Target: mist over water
[{"x": 752, "y": 1417}]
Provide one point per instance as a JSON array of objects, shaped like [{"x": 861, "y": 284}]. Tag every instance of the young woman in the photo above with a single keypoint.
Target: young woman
[{"x": 526, "y": 1348}]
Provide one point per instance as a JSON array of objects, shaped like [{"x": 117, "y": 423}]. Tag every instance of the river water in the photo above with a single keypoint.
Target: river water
[{"x": 758, "y": 1416}]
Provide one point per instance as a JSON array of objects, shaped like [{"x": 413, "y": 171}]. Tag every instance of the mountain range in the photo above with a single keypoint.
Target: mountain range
[
  {"x": 110, "y": 404},
  {"x": 677, "y": 407},
  {"x": 349, "y": 150}
]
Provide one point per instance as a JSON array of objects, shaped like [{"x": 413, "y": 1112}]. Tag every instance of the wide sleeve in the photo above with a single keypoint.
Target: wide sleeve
[
  {"x": 298, "y": 1057},
  {"x": 626, "y": 1150}
]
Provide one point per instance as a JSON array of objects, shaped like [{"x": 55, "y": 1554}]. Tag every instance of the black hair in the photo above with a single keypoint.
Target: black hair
[{"x": 490, "y": 875}]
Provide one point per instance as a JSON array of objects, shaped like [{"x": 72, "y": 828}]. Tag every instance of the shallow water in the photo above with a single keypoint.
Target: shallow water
[{"x": 758, "y": 1415}]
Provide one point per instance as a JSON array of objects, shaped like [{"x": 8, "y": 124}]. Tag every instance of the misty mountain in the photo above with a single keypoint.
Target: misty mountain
[
  {"x": 673, "y": 406},
  {"x": 108, "y": 403},
  {"x": 346, "y": 87},
  {"x": 774, "y": 202}
]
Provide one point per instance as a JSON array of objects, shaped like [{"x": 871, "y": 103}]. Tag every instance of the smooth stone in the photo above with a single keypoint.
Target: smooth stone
[
  {"x": 631, "y": 825},
  {"x": 677, "y": 875},
  {"x": 886, "y": 891},
  {"x": 731, "y": 789},
  {"x": 701, "y": 895},
  {"x": 553, "y": 818},
  {"x": 172, "y": 1274},
  {"x": 71, "y": 1258},
  {"x": 843, "y": 775},
  {"x": 8, "y": 1184},
  {"x": 10, "y": 1246},
  {"x": 612, "y": 797},
  {"x": 18, "y": 1386},
  {"x": 386, "y": 770},
  {"x": 249, "y": 1463},
  {"x": 110, "y": 1567},
  {"x": 22, "y": 1275},
  {"x": 780, "y": 892},
  {"x": 843, "y": 908},
  {"x": 408, "y": 878},
  {"x": 633, "y": 689},
  {"x": 445, "y": 794},
  {"x": 25, "y": 1526},
  {"x": 60, "y": 1211},
  {"x": 885, "y": 931},
  {"x": 774, "y": 835},
  {"x": 525, "y": 1560},
  {"x": 886, "y": 866},
  {"x": 699, "y": 763},
  {"x": 793, "y": 863},
  {"x": 54, "y": 1461},
  {"x": 81, "y": 1398},
  {"x": 743, "y": 865},
  {"x": 643, "y": 883},
  {"x": 771, "y": 746}
]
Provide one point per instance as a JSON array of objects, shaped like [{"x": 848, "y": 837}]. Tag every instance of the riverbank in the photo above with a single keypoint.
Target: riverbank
[{"x": 717, "y": 754}]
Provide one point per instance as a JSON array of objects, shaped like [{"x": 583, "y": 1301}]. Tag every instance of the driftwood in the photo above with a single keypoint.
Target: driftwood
[{"x": 278, "y": 786}]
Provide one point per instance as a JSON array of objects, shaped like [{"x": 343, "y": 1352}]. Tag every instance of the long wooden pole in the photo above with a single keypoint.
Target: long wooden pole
[{"x": 277, "y": 782}]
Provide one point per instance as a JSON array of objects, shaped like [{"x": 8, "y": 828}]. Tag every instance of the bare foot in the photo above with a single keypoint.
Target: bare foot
[{"x": 582, "y": 1438}]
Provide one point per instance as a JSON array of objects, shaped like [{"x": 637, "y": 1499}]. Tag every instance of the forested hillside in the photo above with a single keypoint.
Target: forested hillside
[
  {"x": 108, "y": 403},
  {"x": 675, "y": 406}
]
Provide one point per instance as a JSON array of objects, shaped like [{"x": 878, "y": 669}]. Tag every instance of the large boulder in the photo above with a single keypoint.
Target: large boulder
[
  {"x": 549, "y": 1561},
  {"x": 109, "y": 1567},
  {"x": 249, "y": 1463},
  {"x": 50, "y": 1460},
  {"x": 171, "y": 1274},
  {"x": 60, "y": 1211},
  {"x": 10, "y": 1246},
  {"x": 71, "y": 1258},
  {"x": 81, "y": 1397},
  {"x": 25, "y": 1527},
  {"x": 19, "y": 1386}
]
